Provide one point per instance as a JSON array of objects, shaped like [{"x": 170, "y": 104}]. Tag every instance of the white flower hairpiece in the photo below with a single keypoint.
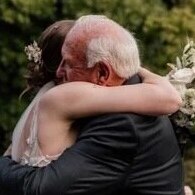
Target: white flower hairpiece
[{"x": 34, "y": 52}]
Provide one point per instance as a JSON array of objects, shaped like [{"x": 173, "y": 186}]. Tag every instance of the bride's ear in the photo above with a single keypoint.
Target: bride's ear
[{"x": 103, "y": 73}]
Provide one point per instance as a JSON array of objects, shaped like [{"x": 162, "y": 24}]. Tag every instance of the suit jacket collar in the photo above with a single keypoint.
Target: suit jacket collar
[{"x": 133, "y": 80}]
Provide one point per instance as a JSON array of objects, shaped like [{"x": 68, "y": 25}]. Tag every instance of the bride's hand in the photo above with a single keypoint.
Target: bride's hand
[
  {"x": 8, "y": 151},
  {"x": 150, "y": 77},
  {"x": 166, "y": 89},
  {"x": 188, "y": 190}
]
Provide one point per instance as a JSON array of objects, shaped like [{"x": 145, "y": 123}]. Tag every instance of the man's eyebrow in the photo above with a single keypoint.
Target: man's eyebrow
[{"x": 66, "y": 61}]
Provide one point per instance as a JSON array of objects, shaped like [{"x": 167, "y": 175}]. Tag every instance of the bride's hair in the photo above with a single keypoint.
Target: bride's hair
[{"x": 50, "y": 42}]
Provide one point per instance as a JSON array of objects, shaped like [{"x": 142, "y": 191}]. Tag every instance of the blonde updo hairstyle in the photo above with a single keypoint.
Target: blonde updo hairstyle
[{"x": 50, "y": 42}]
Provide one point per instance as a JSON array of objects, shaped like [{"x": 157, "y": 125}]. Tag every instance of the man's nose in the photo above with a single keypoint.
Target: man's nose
[{"x": 60, "y": 72}]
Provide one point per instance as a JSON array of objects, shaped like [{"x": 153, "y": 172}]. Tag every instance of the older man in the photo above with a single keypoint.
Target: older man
[{"x": 115, "y": 153}]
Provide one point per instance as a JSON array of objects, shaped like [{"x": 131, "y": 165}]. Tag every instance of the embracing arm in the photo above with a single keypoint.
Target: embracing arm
[
  {"x": 155, "y": 96},
  {"x": 164, "y": 94},
  {"x": 96, "y": 164}
]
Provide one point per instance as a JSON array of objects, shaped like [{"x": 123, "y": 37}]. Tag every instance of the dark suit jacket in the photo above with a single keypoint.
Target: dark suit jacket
[{"x": 122, "y": 153}]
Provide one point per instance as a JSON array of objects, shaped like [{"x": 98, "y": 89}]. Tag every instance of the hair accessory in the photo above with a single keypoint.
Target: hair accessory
[{"x": 33, "y": 52}]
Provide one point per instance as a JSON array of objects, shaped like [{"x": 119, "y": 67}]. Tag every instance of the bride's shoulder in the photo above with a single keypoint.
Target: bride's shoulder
[
  {"x": 71, "y": 88},
  {"x": 73, "y": 84},
  {"x": 66, "y": 93}
]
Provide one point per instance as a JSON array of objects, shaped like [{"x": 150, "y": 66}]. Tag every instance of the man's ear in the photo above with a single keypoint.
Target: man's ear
[{"x": 104, "y": 71}]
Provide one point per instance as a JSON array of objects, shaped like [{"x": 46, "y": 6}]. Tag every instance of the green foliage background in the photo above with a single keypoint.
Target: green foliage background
[{"x": 161, "y": 28}]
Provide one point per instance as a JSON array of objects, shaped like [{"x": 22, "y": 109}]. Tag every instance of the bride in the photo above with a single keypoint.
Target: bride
[{"x": 45, "y": 129}]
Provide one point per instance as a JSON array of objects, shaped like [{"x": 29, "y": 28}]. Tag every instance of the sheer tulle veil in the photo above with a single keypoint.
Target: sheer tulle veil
[{"x": 18, "y": 137}]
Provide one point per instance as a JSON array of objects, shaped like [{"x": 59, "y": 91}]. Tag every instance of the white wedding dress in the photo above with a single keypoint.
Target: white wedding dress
[{"x": 25, "y": 144}]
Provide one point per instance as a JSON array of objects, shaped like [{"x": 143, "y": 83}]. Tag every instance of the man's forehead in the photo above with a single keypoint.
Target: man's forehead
[
  {"x": 69, "y": 52},
  {"x": 66, "y": 45},
  {"x": 73, "y": 47}
]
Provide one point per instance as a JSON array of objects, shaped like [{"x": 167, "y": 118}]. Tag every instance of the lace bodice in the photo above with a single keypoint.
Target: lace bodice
[{"x": 25, "y": 144}]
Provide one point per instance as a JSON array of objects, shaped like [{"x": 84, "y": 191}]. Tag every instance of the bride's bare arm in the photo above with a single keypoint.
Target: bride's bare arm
[{"x": 155, "y": 96}]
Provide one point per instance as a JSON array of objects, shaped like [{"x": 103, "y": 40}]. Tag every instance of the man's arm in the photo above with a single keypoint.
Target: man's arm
[
  {"x": 12, "y": 175},
  {"x": 96, "y": 164}
]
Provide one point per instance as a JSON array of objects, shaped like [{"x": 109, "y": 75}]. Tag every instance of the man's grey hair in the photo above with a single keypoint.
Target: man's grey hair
[{"x": 107, "y": 41}]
